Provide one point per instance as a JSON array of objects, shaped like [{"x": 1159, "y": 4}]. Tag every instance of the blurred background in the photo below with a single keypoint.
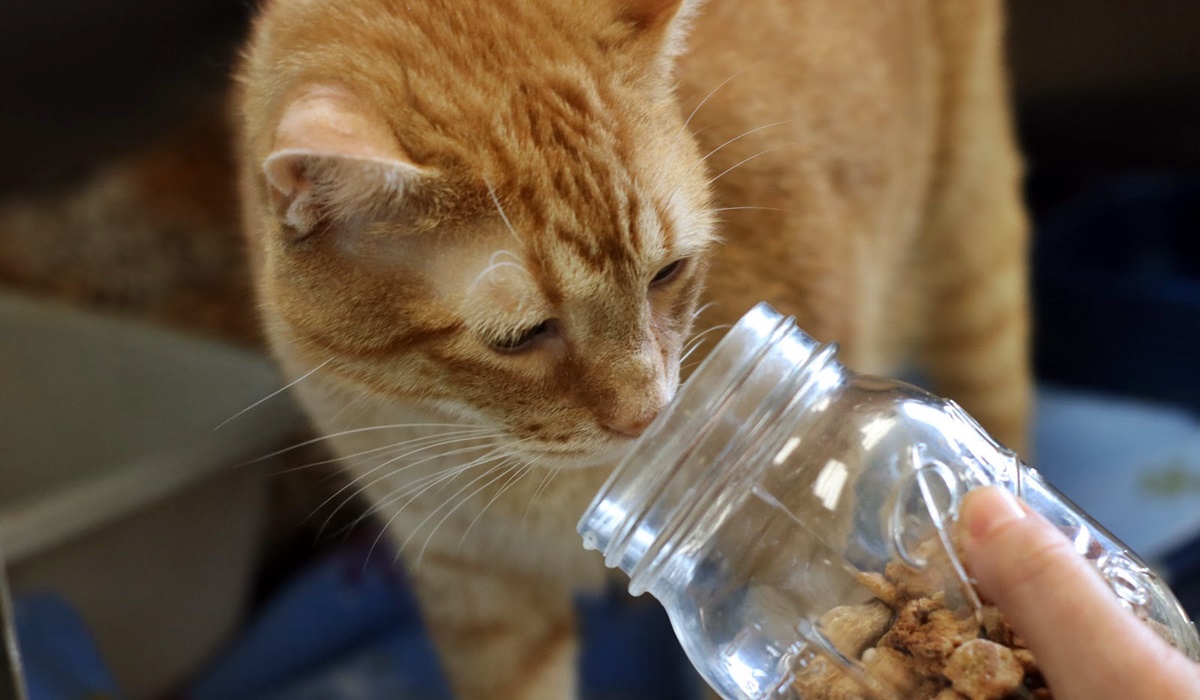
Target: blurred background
[{"x": 212, "y": 582}]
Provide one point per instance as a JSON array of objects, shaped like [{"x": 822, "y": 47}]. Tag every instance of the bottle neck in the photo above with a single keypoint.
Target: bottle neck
[{"x": 705, "y": 451}]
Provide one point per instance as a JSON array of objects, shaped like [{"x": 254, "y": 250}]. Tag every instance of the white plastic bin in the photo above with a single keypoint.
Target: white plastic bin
[{"x": 116, "y": 491}]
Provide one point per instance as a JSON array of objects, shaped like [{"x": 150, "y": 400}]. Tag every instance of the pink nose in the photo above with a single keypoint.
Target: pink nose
[{"x": 630, "y": 426}]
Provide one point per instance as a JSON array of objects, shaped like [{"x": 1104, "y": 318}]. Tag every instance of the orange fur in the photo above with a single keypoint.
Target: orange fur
[{"x": 464, "y": 218}]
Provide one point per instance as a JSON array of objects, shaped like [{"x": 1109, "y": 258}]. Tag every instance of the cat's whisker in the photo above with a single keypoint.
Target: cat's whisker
[
  {"x": 493, "y": 267},
  {"x": 697, "y": 340},
  {"x": 476, "y": 433},
  {"x": 521, "y": 472},
  {"x": 369, "y": 402},
  {"x": 545, "y": 484},
  {"x": 742, "y": 162},
  {"x": 416, "y": 485},
  {"x": 507, "y": 459},
  {"x": 423, "y": 484},
  {"x": 739, "y": 137},
  {"x": 492, "y": 470},
  {"x": 392, "y": 473},
  {"x": 414, "y": 491},
  {"x": 702, "y": 309},
  {"x": 686, "y": 122},
  {"x": 353, "y": 431},
  {"x": 352, "y": 402},
  {"x": 461, "y": 502},
  {"x": 721, "y": 209},
  {"x": 507, "y": 223},
  {"x": 273, "y": 394}
]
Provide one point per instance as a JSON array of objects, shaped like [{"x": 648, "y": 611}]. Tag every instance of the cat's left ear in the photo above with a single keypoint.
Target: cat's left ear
[
  {"x": 335, "y": 163},
  {"x": 665, "y": 21}
]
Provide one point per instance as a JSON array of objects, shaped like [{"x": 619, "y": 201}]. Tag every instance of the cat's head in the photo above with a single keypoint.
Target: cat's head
[{"x": 493, "y": 208}]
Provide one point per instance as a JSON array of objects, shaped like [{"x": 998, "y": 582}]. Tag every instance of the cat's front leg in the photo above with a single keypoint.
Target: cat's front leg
[
  {"x": 500, "y": 633},
  {"x": 978, "y": 343}
]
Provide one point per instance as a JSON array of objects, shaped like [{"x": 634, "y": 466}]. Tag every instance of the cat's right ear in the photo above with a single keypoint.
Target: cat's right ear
[
  {"x": 334, "y": 164},
  {"x": 666, "y": 20}
]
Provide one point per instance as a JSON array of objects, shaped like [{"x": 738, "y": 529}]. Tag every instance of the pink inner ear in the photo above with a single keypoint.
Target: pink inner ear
[
  {"x": 332, "y": 154},
  {"x": 329, "y": 119},
  {"x": 286, "y": 182}
]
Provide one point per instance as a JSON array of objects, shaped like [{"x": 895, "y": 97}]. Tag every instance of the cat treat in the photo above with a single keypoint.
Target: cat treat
[{"x": 909, "y": 638}]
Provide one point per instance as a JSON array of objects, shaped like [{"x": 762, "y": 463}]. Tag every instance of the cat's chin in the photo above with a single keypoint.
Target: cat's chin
[{"x": 586, "y": 459}]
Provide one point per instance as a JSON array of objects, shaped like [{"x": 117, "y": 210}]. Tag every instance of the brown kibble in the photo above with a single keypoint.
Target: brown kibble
[
  {"x": 921, "y": 640},
  {"x": 829, "y": 684},
  {"x": 945, "y": 631},
  {"x": 853, "y": 628},
  {"x": 880, "y": 587},
  {"x": 984, "y": 670},
  {"x": 891, "y": 667},
  {"x": 996, "y": 627},
  {"x": 912, "y": 583},
  {"x": 1027, "y": 661},
  {"x": 929, "y": 633}
]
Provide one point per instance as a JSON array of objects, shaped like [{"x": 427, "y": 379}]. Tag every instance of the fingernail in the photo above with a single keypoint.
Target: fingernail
[{"x": 989, "y": 508}]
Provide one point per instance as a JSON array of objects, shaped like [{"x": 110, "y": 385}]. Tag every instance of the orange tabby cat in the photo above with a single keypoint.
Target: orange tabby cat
[{"x": 488, "y": 224}]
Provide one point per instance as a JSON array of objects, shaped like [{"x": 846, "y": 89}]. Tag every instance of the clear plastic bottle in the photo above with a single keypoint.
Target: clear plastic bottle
[{"x": 780, "y": 493}]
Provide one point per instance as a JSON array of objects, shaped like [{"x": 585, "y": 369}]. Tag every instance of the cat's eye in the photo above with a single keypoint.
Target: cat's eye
[
  {"x": 667, "y": 273},
  {"x": 521, "y": 340}
]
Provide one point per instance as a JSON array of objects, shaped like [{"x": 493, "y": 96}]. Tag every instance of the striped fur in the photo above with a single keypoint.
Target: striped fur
[{"x": 427, "y": 185}]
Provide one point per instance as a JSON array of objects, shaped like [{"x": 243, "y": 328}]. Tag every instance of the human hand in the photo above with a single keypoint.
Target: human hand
[{"x": 1087, "y": 645}]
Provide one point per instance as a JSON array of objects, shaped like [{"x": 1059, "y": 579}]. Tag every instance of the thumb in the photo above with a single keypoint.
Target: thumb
[{"x": 1087, "y": 645}]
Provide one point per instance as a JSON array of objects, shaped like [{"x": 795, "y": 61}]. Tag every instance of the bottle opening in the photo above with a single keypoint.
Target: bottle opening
[{"x": 693, "y": 453}]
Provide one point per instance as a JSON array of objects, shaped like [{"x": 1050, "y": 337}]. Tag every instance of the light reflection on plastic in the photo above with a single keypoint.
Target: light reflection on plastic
[
  {"x": 788, "y": 448},
  {"x": 830, "y": 482},
  {"x": 1083, "y": 541},
  {"x": 748, "y": 678},
  {"x": 875, "y": 430}
]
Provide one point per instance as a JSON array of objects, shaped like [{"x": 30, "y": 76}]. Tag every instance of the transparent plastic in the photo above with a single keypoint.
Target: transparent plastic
[{"x": 778, "y": 486}]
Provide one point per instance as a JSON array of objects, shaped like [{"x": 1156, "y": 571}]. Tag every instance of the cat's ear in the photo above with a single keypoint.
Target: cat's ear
[
  {"x": 335, "y": 163},
  {"x": 665, "y": 21}
]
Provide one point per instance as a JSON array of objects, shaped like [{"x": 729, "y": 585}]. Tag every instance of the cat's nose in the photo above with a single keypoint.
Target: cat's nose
[{"x": 630, "y": 426}]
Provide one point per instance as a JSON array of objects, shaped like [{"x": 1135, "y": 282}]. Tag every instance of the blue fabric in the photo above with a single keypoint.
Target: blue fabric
[
  {"x": 349, "y": 628},
  {"x": 60, "y": 659},
  {"x": 318, "y": 627}
]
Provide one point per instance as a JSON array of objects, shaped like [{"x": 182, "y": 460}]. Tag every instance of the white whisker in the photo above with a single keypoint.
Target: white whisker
[
  {"x": 476, "y": 434},
  {"x": 447, "y": 477},
  {"x": 520, "y": 473},
  {"x": 717, "y": 211},
  {"x": 352, "y": 402},
  {"x": 741, "y": 136},
  {"x": 330, "y": 436},
  {"x": 496, "y": 201},
  {"x": 491, "y": 470},
  {"x": 702, "y": 309},
  {"x": 273, "y": 394},
  {"x": 394, "y": 472},
  {"x": 423, "y": 484},
  {"x": 687, "y": 121},
  {"x": 550, "y": 474},
  {"x": 741, "y": 163},
  {"x": 695, "y": 341},
  {"x": 493, "y": 267},
  {"x": 465, "y": 499}
]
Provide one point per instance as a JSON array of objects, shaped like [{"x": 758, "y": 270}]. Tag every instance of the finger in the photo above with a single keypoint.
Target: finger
[{"x": 1086, "y": 643}]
